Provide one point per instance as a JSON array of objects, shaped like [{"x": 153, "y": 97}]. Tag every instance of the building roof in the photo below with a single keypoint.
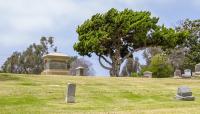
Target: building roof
[
  {"x": 80, "y": 68},
  {"x": 55, "y": 54}
]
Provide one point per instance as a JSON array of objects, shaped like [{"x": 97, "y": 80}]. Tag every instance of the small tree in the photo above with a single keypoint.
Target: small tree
[
  {"x": 115, "y": 35},
  {"x": 150, "y": 52},
  {"x": 160, "y": 66}
]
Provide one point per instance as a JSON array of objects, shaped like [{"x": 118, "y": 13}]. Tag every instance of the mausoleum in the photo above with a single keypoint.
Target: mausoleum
[{"x": 56, "y": 64}]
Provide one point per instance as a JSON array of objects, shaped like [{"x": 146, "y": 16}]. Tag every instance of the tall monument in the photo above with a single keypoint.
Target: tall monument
[{"x": 56, "y": 64}]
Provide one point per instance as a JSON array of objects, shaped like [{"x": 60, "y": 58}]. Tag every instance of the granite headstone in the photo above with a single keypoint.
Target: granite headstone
[{"x": 71, "y": 89}]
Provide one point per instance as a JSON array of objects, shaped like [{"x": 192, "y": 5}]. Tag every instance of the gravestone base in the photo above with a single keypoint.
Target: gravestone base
[
  {"x": 186, "y": 76},
  {"x": 187, "y": 73},
  {"x": 197, "y": 73},
  {"x": 147, "y": 74},
  {"x": 70, "y": 99},
  {"x": 186, "y": 98},
  {"x": 184, "y": 93}
]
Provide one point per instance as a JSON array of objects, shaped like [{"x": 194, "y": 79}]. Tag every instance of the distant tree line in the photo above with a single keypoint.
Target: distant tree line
[{"x": 29, "y": 61}]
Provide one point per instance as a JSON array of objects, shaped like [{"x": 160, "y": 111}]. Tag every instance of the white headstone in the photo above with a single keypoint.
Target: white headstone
[
  {"x": 147, "y": 74},
  {"x": 187, "y": 73}
]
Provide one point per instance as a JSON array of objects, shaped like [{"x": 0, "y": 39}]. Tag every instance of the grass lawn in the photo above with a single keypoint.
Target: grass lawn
[{"x": 32, "y": 94}]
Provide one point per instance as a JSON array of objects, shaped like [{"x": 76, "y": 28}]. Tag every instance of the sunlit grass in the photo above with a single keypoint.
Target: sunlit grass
[{"x": 34, "y": 94}]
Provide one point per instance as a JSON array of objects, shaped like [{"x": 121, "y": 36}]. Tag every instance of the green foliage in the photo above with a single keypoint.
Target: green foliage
[
  {"x": 115, "y": 34},
  {"x": 143, "y": 69},
  {"x": 103, "y": 31},
  {"x": 150, "y": 52},
  {"x": 134, "y": 74},
  {"x": 29, "y": 61},
  {"x": 160, "y": 66}
]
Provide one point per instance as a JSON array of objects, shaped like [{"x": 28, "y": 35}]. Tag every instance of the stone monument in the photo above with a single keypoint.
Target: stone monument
[
  {"x": 70, "y": 95},
  {"x": 55, "y": 64},
  {"x": 147, "y": 74},
  {"x": 187, "y": 73},
  {"x": 177, "y": 73},
  {"x": 80, "y": 71},
  {"x": 197, "y": 69},
  {"x": 184, "y": 93}
]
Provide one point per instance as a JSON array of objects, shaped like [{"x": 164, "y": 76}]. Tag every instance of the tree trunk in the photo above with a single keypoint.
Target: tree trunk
[
  {"x": 114, "y": 66},
  {"x": 116, "y": 63}
]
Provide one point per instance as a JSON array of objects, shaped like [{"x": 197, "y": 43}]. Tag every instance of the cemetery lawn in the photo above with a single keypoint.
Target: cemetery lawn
[{"x": 34, "y": 94}]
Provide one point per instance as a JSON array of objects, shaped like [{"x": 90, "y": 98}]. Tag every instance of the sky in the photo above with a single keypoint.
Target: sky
[{"x": 23, "y": 22}]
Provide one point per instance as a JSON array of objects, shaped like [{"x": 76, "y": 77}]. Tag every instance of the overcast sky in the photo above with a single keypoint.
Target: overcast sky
[{"x": 23, "y": 22}]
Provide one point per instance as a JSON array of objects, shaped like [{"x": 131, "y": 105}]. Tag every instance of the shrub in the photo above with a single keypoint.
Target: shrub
[
  {"x": 160, "y": 66},
  {"x": 134, "y": 74}
]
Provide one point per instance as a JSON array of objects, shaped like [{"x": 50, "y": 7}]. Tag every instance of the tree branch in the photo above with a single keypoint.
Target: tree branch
[
  {"x": 132, "y": 52},
  {"x": 105, "y": 67},
  {"x": 105, "y": 60}
]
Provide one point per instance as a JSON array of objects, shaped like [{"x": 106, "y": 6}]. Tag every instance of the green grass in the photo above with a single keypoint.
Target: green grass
[{"x": 34, "y": 94}]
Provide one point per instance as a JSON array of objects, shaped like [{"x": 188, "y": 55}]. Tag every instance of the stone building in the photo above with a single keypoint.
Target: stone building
[{"x": 56, "y": 64}]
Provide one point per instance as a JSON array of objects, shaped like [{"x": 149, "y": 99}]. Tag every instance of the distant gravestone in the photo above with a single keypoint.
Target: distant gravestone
[
  {"x": 177, "y": 73},
  {"x": 187, "y": 73},
  {"x": 184, "y": 93},
  {"x": 193, "y": 74},
  {"x": 147, "y": 74},
  {"x": 197, "y": 69},
  {"x": 80, "y": 71},
  {"x": 70, "y": 97}
]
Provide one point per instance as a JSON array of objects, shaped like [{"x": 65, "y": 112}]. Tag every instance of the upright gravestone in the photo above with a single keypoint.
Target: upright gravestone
[
  {"x": 187, "y": 73},
  {"x": 70, "y": 97},
  {"x": 197, "y": 69},
  {"x": 147, "y": 74},
  {"x": 184, "y": 93},
  {"x": 177, "y": 73},
  {"x": 80, "y": 71}
]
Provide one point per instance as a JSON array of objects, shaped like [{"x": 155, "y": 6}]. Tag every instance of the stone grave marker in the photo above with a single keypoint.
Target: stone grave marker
[
  {"x": 184, "y": 93},
  {"x": 197, "y": 69},
  {"x": 80, "y": 71},
  {"x": 71, "y": 89},
  {"x": 147, "y": 74},
  {"x": 187, "y": 73},
  {"x": 177, "y": 73}
]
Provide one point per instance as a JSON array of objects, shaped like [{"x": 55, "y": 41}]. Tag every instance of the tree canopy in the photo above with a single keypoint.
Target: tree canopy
[
  {"x": 115, "y": 35},
  {"x": 192, "y": 44}
]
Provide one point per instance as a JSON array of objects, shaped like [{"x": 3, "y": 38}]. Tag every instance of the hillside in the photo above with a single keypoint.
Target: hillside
[{"x": 33, "y": 94}]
